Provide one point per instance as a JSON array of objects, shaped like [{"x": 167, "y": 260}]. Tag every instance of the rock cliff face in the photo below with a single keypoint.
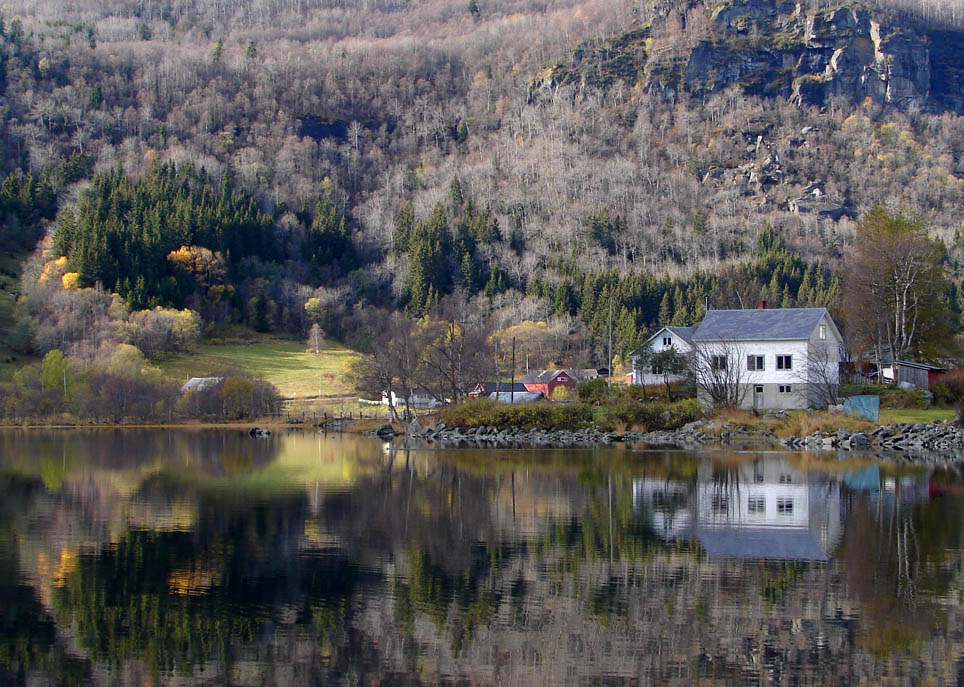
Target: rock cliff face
[{"x": 775, "y": 48}]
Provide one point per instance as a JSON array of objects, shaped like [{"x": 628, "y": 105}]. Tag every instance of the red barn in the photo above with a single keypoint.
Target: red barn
[{"x": 546, "y": 381}]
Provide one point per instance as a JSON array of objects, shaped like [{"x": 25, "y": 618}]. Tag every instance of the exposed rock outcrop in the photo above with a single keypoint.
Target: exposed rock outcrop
[{"x": 774, "y": 48}]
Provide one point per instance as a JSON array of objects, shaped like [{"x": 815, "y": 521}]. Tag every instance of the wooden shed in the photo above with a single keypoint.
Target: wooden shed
[{"x": 546, "y": 381}]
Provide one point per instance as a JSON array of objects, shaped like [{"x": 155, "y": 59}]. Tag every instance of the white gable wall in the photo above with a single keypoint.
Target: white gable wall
[{"x": 644, "y": 375}]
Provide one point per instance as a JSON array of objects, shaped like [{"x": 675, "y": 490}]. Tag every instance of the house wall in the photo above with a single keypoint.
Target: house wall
[
  {"x": 644, "y": 376},
  {"x": 770, "y": 378},
  {"x": 805, "y": 354}
]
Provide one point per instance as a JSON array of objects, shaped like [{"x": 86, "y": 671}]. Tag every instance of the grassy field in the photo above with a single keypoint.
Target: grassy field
[
  {"x": 895, "y": 416},
  {"x": 287, "y": 364}
]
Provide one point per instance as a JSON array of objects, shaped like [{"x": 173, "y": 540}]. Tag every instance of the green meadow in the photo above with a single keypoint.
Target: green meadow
[{"x": 287, "y": 364}]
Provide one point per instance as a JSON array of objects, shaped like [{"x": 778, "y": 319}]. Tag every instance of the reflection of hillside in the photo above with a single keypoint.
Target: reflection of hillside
[{"x": 338, "y": 563}]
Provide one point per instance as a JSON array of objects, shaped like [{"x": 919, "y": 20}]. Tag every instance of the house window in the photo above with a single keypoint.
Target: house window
[
  {"x": 657, "y": 370},
  {"x": 755, "y": 362},
  {"x": 718, "y": 362},
  {"x": 667, "y": 342},
  {"x": 784, "y": 362},
  {"x": 823, "y": 332},
  {"x": 756, "y": 504},
  {"x": 786, "y": 479},
  {"x": 785, "y": 506},
  {"x": 784, "y": 388},
  {"x": 720, "y": 504}
]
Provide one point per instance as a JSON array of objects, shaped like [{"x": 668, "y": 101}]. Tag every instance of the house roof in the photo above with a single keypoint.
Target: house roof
[
  {"x": 516, "y": 397},
  {"x": 685, "y": 333},
  {"x": 919, "y": 366},
  {"x": 545, "y": 376},
  {"x": 495, "y": 387},
  {"x": 200, "y": 383},
  {"x": 777, "y": 543},
  {"x": 778, "y": 324}
]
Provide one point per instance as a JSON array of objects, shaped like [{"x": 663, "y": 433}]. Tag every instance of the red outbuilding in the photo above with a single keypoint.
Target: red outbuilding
[{"x": 546, "y": 381}]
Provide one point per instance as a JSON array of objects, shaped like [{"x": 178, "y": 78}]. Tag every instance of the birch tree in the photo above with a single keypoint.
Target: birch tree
[{"x": 896, "y": 296}]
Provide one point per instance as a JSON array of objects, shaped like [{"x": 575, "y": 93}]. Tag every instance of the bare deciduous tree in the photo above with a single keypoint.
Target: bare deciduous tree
[
  {"x": 821, "y": 375},
  {"x": 718, "y": 371}
]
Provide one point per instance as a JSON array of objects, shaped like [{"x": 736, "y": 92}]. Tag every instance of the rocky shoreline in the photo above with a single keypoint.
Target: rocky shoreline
[{"x": 936, "y": 438}]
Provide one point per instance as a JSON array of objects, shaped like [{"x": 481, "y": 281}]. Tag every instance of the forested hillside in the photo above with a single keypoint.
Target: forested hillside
[{"x": 279, "y": 163}]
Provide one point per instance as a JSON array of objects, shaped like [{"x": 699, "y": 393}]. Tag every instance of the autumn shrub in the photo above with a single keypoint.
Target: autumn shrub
[
  {"x": 594, "y": 390},
  {"x": 802, "y": 424},
  {"x": 951, "y": 388},
  {"x": 540, "y": 415},
  {"x": 893, "y": 398},
  {"x": 649, "y": 415}
]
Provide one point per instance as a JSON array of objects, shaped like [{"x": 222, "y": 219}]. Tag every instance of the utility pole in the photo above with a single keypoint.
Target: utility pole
[
  {"x": 512, "y": 384},
  {"x": 610, "y": 370}
]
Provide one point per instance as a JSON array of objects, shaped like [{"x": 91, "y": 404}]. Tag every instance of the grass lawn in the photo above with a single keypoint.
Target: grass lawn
[
  {"x": 287, "y": 364},
  {"x": 893, "y": 416}
]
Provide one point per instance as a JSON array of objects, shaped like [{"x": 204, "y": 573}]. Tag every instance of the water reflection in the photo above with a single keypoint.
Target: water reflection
[
  {"x": 209, "y": 557},
  {"x": 764, "y": 509}
]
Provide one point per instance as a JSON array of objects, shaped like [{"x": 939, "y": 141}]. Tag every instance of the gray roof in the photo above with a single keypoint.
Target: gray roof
[
  {"x": 495, "y": 387},
  {"x": 685, "y": 333},
  {"x": 776, "y": 543},
  {"x": 515, "y": 397},
  {"x": 779, "y": 324},
  {"x": 544, "y": 376},
  {"x": 200, "y": 383}
]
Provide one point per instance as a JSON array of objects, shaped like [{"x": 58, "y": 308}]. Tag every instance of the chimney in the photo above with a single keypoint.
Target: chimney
[{"x": 761, "y": 305}]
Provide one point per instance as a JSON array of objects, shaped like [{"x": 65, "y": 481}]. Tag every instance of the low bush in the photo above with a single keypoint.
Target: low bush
[
  {"x": 541, "y": 415},
  {"x": 894, "y": 398},
  {"x": 891, "y": 397},
  {"x": 950, "y": 391},
  {"x": 629, "y": 414},
  {"x": 593, "y": 391},
  {"x": 805, "y": 423}
]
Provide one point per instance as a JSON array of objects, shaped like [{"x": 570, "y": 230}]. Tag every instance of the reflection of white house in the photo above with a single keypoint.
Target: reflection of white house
[
  {"x": 678, "y": 338},
  {"x": 766, "y": 509},
  {"x": 419, "y": 398},
  {"x": 668, "y": 504},
  {"x": 779, "y": 357}
]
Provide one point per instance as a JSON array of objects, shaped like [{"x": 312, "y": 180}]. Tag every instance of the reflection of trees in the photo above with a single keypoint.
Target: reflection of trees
[
  {"x": 175, "y": 599},
  {"x": 898, "y": 560},
  {"x": 27, "y": 633},
  {"x": 64, "y": 454}
]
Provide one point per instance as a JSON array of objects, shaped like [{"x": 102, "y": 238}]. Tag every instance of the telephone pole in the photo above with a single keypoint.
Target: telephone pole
[
  {"x": 610, "y": 366},
  {"x": 512, "y": 383}
]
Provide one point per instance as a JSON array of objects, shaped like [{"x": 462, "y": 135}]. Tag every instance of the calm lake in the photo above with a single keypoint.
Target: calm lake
[{"x": 177, "y": 557}]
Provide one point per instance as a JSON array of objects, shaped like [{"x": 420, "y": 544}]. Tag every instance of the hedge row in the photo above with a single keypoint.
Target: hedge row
[
  {"x": 618, "y": 415},
  {"x": 541, "y": 415}
]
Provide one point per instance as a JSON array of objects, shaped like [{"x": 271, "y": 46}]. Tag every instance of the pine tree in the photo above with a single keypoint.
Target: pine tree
[
  {"x": 665, "y": 310},
  {"x": 260, "y": 316}
]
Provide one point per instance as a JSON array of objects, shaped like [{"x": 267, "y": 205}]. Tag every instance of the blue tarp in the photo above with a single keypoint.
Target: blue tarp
[
  {"x": 867, "y": 407},
  {"x": 867, "y": 479}
]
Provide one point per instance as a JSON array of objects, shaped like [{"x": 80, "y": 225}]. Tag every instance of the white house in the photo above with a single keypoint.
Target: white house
[
  {"x": 419, "y": 398},
  {"x": 775, "y": 359},
  {"x": 678, "y": 338}
]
